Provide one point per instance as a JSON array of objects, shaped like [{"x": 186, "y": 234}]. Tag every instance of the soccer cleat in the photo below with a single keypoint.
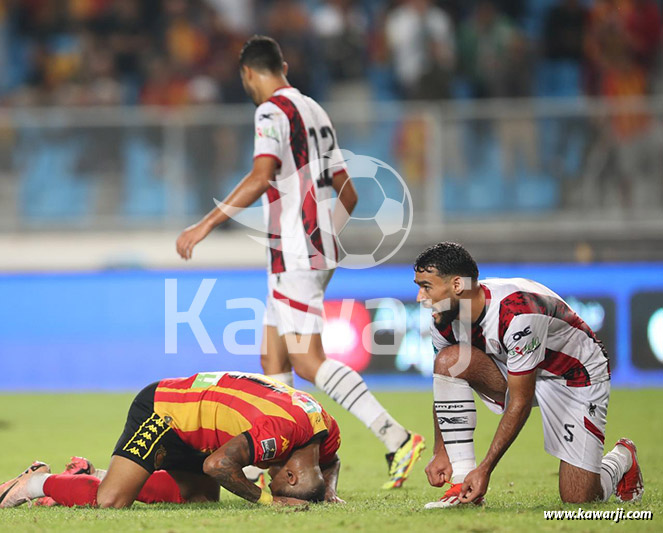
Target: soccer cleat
[
  {"x": 13, "y": 493},
  {"x": 77, "y": 465},
  {"x": 402, "y": 460},
  {"x": 451, "y": 498},
  {"x": 630, "y": 488}
]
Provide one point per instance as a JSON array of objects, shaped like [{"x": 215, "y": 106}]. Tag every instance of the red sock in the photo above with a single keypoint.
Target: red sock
[
  {"x": 72, "y": 490},
  {"x": 160, "y": 487}
]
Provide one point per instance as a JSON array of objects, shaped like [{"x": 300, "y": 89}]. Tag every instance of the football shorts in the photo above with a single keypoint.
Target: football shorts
[
  {"x": 295, "y": 301},
  {"x": 149, "y": 441},
  {"x": 574, "y": 419}
]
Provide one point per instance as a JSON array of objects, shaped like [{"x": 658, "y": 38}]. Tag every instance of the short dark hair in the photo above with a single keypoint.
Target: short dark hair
[
  {"x": 262, "y": 53},
  {"x": 311, "y": 492},
  {"x": 450, "y": 259}
]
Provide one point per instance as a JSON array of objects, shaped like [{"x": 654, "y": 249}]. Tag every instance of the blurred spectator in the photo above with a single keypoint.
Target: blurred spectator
[
  {"x": 289, "y": 23},
  {"x": 484, "y": 43},
  {"x": 518, "y": 136},
  {"x": 420, "y": 38},
  {"x": 164, "y": 86},
  {"x": 239, "y": 14},
  {"x": 342, "y": 29},
  {"x": 91, "y": 52},
  {"x": 642, "y": 23},
  {"x": 564, "y": 30}
]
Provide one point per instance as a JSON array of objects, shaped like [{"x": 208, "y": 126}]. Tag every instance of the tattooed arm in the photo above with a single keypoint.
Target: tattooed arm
[{"x": 225, "y": 465}]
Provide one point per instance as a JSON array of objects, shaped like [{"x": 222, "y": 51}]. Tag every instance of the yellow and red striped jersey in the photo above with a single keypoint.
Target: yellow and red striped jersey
[{"x": 208, "y": 409}]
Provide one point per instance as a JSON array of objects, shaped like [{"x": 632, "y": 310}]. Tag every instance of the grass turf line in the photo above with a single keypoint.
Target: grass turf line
[{"x": 54, "y": 427}]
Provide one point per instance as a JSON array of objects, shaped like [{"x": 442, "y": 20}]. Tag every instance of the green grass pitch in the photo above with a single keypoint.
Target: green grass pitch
[{"x": 54, "y": 427}]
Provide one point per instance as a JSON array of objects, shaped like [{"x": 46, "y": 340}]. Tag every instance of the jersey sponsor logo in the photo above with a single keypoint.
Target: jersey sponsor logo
[
  {"x": 447, "y": 407},
  {"x": 592, "y": 409},
  {"x": 206, "y": 379},
  {"x": 268, "y": 449},
  {"x": 520, "y": 334},
  {"x": 528, "y": 349},
  {"x": 265, "y": 116},
  {"x": 452, "y": 420},
  {"x": 284, "y": 443},
  {"x": 306, "y": 402},
  {"x": 268, "y": 132}
]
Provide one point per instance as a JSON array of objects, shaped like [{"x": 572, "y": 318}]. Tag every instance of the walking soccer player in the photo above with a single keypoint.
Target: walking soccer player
[
  {"x": 524, "y": 346},
  {"x": 296, "y": 165}
]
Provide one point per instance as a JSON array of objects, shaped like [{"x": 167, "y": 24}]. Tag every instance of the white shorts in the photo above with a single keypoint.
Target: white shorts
[
  {"x": 574, "y": 419},
  {"x": 295, "y": 301}
]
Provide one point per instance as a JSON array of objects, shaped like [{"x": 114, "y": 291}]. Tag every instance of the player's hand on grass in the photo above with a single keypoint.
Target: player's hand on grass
[
  {"x": 290, "y": 502},
  {"x": 332, "y": 497},
  {"x": 439, "y": 469},
  {"x": 189, "y": 238},
  {"x": 475, "y": 485}
]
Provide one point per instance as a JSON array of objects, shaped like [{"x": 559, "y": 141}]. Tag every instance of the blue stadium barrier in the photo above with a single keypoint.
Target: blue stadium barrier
[{"x": 105, "y": 330}]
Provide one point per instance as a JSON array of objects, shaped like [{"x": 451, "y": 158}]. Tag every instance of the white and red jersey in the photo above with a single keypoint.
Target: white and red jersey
[
  {"x": 296, "y": 131},
  {"x": 527, "y": 327}
]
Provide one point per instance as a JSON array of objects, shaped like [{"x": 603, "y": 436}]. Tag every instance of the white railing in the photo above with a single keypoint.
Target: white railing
[{"x": 465, "y": 162}]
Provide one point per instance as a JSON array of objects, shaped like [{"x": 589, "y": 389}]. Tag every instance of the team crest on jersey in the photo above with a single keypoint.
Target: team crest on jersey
[
  {"x": 268, "y": 449},
  {"x": 495, "y": 346}
]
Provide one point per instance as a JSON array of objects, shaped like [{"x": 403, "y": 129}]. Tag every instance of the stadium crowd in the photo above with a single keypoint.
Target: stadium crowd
[{"x": 179, "y": 52}]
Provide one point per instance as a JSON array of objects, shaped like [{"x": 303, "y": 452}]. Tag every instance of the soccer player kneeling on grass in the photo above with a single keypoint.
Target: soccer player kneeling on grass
[
  {"x": 517, "y": 344},
  {"x": 186, "y": 437}
]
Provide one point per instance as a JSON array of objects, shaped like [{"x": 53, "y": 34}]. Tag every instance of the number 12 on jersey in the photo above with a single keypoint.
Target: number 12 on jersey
[{"x": 326, "y": 132}]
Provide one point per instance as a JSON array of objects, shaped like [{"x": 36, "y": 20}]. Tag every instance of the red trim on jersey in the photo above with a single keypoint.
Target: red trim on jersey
[
  {"x": 296, "y": 305},
  {"x": 589, "y": 426},
  {"x": 478, "y": 339},
  {"x": 521, "y": 373},
  {"x": 338, "y": 172},
  {"x": 568, "y": 367},
  {"x": 300, "y": 153},
  {"x": 278, "y": 160},
  {"x": 523, "y": 303},
  {"x": 448, "y": 334},
  {"x": 274, "y": 230}
]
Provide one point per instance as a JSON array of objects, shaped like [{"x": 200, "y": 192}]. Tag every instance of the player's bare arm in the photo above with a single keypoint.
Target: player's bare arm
[
  {"x": 330, "y": 474},
  {"x": 521, "y": 392},
  {"x": 254, "y": 184},
  {"x": 226, "y": 464},
  {"x": 347, "y": 200},
  {"x": 439, "y": 468}
]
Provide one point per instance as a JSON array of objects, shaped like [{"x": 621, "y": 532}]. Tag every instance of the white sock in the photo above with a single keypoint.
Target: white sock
[
  {"x": 347, "y": 388},
  {"x": 285, "y": 377},
  {"x": 252, "y": 473},
  {"x": 457, "y": 418},
  {"x": 614, "y": 465},
  {"x": 35, "y": 485}
]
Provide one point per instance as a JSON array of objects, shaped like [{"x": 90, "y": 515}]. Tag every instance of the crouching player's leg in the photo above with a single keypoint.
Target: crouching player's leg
[
  {"x": 458, "y": 370},
  {"x": 574, "y": 420},
  {"x": 147, "y": 444}
]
